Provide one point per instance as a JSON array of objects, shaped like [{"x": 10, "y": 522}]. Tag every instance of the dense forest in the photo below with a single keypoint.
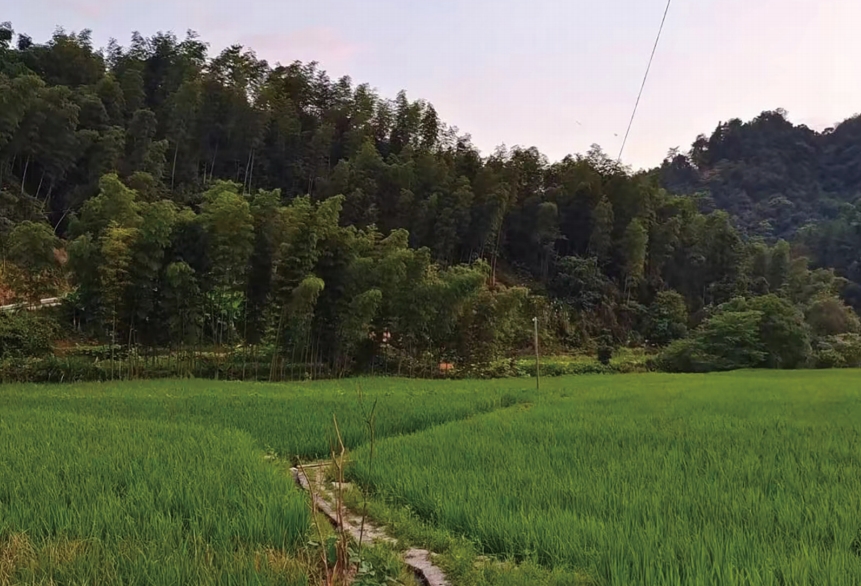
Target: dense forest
[
  {"x": 180, "y": 200},
  {"x": 778, "y": 180}
]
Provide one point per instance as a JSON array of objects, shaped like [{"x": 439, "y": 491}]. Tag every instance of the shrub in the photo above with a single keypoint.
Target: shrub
[
  {"x": 849, "y": 346},
  {"x": 828, "y": 358},
  {"x": 605, "y": 354},
  {"x": 501, "y": 368},
  {"x": 51, "y": 369},
  {"x": 784, "y": 334},
  {"x": 666, "y": 319},
  {"x": 25, "y": 333},
  {"x": 104, "y": 352},
  {"x": 765, "y": 331},
  {"x": 842, "y": 351},
  {"x": 687, "y": 355},
  {"x": 829, "y": 316},
  {"x": 730, "y": 340}
]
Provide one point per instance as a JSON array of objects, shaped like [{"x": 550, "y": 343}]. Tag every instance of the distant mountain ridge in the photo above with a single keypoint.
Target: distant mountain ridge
[{"x": 773, "y": 177}]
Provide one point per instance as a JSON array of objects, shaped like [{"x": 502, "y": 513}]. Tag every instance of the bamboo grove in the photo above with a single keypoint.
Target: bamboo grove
[{"x": 181, "y": 200}]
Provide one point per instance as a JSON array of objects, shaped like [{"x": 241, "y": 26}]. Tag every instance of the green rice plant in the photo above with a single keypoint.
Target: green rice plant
[
  {"x": 739, "y": 478},
  {"x": 157, "y": 482},
  {"x": 294, "y": 420},
  {"x": 92, "y": 500}
]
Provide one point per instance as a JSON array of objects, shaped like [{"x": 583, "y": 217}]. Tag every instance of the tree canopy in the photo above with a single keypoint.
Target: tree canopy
[{"x": 220, "y": 199}]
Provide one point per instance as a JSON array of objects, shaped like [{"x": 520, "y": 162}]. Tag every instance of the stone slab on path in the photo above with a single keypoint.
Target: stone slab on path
[{"x": 418, "y": 560}]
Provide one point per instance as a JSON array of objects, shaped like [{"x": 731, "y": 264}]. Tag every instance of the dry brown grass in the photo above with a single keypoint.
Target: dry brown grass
[
  {"x": 61, "y": 256},
  {"x": 292, "y": 566},
  {"x": 16, "y": 552},
  {"x": 65, "y": 551}
]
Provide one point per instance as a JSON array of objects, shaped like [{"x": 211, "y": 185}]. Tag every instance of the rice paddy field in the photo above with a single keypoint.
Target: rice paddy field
[
  {"x": 738, "y": 478},
  {"x": 111, "y": 501}
]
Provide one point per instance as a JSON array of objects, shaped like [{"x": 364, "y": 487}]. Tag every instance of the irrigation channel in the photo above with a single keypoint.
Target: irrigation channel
[{"x": 366, "y": 532}]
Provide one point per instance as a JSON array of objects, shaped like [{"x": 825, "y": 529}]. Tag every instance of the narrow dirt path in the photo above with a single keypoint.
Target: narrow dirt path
[{"x": 420, "y": 561}]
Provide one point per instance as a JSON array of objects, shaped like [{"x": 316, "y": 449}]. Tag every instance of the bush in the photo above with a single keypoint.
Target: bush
[
  {"x": 783, "y": 331},
  {"x": 502, "y": 368},
  {"x": 849, "y": 346},
  {"x": 842, "y": 351},
  {"x": 625, "y": 361},
  {"x": 25, "y": 333},
  {"x": 686, "y": 355},
  {"x": 605, "y": 354},
  {"x": 730, "y": 340},
  {"x": 828, "y": 358},
  {"x": 84, "y": 365},
  {"x": 667, "y": 319},
  {"x": 51, "y": 369},
  {"x": 765, "y": 331},
  {"x": 829, "y": 316},
  {"x": 574, "y": 367}
]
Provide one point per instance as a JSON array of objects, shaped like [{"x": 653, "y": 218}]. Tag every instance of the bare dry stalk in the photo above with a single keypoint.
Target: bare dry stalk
[
  {"x": 370, "y": 419},
  {"x": 327, "y": 575},
  {"x": 342, "y": 550}
]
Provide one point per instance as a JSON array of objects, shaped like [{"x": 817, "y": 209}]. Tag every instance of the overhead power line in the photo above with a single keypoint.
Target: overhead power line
[{"x": 645, "y": 77}]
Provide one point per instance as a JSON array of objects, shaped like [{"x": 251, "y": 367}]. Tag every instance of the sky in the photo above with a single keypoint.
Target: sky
[{"x": 560, "y": 75}]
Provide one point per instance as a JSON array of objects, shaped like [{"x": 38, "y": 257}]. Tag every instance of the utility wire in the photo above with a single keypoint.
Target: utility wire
[{"x": 645, "y": 77}]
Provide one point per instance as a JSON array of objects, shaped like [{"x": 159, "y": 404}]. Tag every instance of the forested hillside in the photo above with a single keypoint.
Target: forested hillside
[
  {"x": 181, "y": 198},
  {"x": 778, "y": 180}
]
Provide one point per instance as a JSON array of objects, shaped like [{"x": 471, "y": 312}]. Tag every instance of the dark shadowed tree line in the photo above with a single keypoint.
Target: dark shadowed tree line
[{"x": 275, "y": 217}]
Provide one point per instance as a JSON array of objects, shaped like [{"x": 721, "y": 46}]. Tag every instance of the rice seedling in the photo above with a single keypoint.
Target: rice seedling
[
  {"x": 115, "y": 501},
  {"x": 740, "y": 478},
  {"x": 158, "y": 482},
  {"x": 294, "y": 420}
]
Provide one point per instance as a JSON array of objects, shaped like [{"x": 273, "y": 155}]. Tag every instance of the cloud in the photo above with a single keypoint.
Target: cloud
[{"x": 325, "y": 45}]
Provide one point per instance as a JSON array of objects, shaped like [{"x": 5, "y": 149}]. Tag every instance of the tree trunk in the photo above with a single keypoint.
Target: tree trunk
[
  {"x": 251, "y": 172},
  {"x": 39, "y": 189},
  {"x": 50, "y": 191},
  {"x": 24, "y": 174},
  {"x": 318, "y": 357},
  {"x": 247, "y": 168},
  {"x": 113, "y": 338},
  {"x": 273, "y": 365},
  {"x": 495, "y": 254},
  {"x": 245, "y": 338},
  {"x": 173, "y": 169},
  {"x": 212, "y": 169},
  {"x": 130, "y": 371}
]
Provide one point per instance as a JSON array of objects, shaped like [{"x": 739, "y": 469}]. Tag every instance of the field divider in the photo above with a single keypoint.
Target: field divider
[{"x": 420, "y": 561}]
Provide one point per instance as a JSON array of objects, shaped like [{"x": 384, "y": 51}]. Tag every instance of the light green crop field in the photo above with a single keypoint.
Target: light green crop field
[
  {"x": 739, "y": 478},
  {"x": 86, "y": 500},
  {"x": 291, "y": 419},
  {"x": 163, "y": 482}
]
